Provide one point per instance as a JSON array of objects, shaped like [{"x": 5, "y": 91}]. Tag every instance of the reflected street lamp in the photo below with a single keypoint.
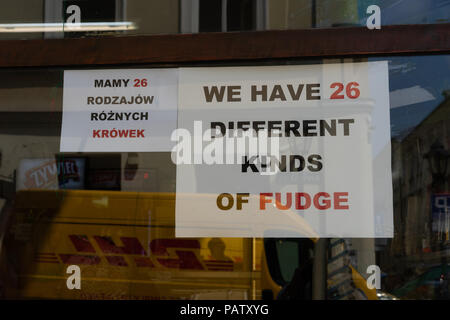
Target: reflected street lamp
[{"x": 437, "y": 159}]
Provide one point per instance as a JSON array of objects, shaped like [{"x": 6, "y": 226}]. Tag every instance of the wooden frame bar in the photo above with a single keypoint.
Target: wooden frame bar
[{"x": 334, "y": 42}]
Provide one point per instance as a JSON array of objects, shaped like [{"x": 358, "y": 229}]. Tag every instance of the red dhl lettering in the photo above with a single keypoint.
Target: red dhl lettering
[{"x": 168, "y": 253}]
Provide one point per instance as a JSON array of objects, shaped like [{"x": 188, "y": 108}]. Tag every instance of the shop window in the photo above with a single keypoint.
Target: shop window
[
  {"x": 222, "y": 15},
  {"x": 102, "y": 11}
]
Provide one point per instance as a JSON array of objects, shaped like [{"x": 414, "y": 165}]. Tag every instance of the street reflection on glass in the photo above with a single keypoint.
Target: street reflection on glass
[
  {"x": 113, "y": 214},
  {"x": 22, "y": 19}
]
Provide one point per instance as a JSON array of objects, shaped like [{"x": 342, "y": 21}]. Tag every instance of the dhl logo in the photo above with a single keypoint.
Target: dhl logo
[{"x": 168, "y": 253}]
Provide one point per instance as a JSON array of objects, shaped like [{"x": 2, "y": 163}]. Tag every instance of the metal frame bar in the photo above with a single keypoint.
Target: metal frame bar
[{"x": 177, "y": 48}]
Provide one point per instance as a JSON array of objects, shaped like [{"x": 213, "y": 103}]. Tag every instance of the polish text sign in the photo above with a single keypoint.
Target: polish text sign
[{"x": 119, "y": 110}]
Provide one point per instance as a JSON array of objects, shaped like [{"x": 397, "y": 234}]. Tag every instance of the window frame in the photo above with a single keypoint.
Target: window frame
[{"x": 228, "y": 46}]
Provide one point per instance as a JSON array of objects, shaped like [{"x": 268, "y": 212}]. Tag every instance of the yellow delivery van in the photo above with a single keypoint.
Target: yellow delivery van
[{"x": 125, "y": 246}]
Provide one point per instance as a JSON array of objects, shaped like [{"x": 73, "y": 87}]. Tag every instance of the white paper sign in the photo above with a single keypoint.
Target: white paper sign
[
  {"x": 330, "y": 175},
  {"x": 119, "y": 110}
]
